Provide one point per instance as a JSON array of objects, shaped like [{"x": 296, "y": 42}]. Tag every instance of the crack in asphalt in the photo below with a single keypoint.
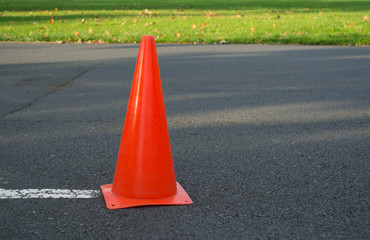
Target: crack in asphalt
[{"x": 56, "y": 89}]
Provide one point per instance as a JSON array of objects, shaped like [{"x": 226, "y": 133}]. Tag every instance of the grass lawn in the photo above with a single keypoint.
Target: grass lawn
[{"x": 329, "y": 22}]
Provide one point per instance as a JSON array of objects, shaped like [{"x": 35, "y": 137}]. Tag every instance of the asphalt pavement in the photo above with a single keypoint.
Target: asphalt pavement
[{"x": 270, "y": 142}]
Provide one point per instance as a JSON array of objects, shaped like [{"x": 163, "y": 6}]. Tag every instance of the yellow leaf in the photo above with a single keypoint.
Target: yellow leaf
[
  {"x": 252, "y": 29},
  {"x": 77, "y": 34},
  {"x": 178, "y": 34},
  {"x": 56, "y": 9},
  {"x": 193, "y": 26},
  {"x": 90, "y": 30},
  {"x": 366, "y": 18},
  {"x": 51, "y": 21},
  {"x": 83, "y": 21},
  {"x": 203, "y": 25},
  {"x": 149, "y": 24}
]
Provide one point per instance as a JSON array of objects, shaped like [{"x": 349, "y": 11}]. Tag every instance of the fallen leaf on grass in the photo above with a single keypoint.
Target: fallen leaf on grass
[
  {"x": 193, "y": 26},
  {"x": 178, "y": 34},
  {"x": 77, "y": 34},
  {"x": 366, "y": 18},
  {"x": 351, "y": 24},
  {"x": 83, "y": 21},
  {"x": 149, "y": 24},
  {"x": 203, "y": 25},
  {"x": 146, "y": 11},
  {"x": 51, "y": 21}
]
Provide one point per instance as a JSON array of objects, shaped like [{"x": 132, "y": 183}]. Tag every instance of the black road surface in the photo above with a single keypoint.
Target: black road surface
[{"x": 270, "y": 142}]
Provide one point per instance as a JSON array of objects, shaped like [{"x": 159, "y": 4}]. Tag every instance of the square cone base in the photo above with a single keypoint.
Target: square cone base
[{"x": 114, "y": 201}]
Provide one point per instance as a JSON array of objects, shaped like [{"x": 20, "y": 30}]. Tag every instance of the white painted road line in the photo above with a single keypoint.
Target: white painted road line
[{"x": 47, "y": 193}]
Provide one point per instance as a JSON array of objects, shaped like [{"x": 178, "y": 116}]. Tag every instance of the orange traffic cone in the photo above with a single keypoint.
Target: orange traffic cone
[{"x": 144, "y": 172}]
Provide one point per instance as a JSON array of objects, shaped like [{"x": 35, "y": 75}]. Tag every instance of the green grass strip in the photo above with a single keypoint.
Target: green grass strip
[{"x": 328, "y": 22}]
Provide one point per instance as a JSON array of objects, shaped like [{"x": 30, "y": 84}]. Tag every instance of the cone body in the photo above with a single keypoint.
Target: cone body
[
  {"x": 144, "y": 167},
  {"x": 144, "y": 170}
]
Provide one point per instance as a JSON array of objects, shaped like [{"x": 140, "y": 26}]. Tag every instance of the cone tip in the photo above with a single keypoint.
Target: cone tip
[{"x": 147, "y": 37}]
